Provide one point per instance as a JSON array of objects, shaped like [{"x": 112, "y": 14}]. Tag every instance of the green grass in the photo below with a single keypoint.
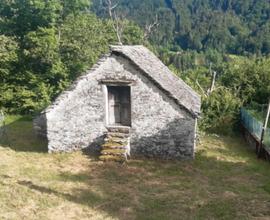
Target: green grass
[{"x": 226, "y": 181}]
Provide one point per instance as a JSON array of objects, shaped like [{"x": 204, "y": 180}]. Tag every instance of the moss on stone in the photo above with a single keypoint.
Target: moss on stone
[
  {"x": 113, "y": 147},
  {"x": 113, "y": 151},
  {"x": 113, "y": 144},
  {"x": 117, "y": 135},
  {"x": 116, "y": 140}
]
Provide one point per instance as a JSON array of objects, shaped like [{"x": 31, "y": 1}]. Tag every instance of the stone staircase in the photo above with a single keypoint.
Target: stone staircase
[{"x": 116, "y": 145}]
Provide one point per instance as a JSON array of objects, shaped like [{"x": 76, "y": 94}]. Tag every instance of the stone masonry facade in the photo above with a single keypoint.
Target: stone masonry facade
[{"x": 77, "y": 120}]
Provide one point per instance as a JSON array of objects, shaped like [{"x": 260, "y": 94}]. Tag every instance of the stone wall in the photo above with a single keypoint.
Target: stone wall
[
  {"x": 160, "y": 128},
  {"x": 40, "y": 126}
]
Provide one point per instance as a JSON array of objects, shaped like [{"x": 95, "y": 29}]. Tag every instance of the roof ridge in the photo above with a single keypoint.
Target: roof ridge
[{"x": 174, "y": 86}]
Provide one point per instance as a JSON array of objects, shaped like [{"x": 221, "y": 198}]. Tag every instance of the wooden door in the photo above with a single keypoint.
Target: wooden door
[
  {"x": 119, "y": 105},
  {"x": 114, "y": 106},
  {"x": 125, "y": 113}
]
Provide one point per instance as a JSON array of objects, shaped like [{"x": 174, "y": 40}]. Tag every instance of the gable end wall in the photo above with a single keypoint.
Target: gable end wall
[{"x": 159, "y": 127}]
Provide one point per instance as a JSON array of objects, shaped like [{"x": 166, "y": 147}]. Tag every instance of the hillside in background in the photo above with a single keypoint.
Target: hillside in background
[
  {"x": 46, "y": 45},
  {"x": 228, "y": 26}
]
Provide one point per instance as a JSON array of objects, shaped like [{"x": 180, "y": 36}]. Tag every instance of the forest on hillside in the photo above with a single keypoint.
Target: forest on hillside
[
  {"x": 191, "y": 32},
  {"x": 45, "y": 45},
  {"x": 230, "y": 26}
]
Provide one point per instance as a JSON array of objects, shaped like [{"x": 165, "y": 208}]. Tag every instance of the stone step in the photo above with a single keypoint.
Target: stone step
[
  {"x": 114, "y": 147},
  {"x": 117, "y": 135},
  {"x": 114, "y": 152},
  {"x": 122, "y": 130},
  {"x": 116, "y": 140},
  {"x": 113, "y": 144},
  {"x": 114, "y": 158}
]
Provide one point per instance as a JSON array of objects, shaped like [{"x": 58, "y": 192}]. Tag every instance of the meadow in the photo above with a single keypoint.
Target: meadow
[{"x": 225, "y": 181}]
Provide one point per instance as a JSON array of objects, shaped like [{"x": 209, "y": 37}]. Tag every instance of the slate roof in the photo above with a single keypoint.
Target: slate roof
[{"x": 160, "y": 74}]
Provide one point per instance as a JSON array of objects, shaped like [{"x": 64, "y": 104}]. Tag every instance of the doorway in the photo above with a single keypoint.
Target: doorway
[{"x": 119, "y": 105}]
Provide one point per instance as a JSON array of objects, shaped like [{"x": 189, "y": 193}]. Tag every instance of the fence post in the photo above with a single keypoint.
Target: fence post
[{"x": 264, "y": 129}]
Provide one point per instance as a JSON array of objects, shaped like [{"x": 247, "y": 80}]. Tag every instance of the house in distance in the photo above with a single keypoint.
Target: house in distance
[{"x": 128, "y": 103}]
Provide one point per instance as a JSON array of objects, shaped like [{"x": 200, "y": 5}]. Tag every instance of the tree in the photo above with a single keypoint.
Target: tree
[
  {"x": 45, "y": 45},
  {"x": 249, "y": 79},
  {"x": 221, "y": 25},
  {"x": 79, "y": 51},
  {"x": 220, "y": 111}
]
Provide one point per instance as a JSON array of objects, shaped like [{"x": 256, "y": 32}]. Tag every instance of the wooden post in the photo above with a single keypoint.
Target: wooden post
[
  {"x": 213, "y": 81},
  {"x": 264, "y": 129}
]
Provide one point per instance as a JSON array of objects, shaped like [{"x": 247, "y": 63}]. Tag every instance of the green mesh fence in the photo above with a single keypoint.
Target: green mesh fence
[{"x": 254, "y": 126}]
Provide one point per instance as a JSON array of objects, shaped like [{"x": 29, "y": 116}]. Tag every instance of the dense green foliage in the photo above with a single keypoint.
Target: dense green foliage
[
  {"x": 45, "y": 45},
  {"x": 240, "y": 81},
  {"x": 220, "y": 111},
  {"x": 249, "y": 79},
  {"x": 231, "y": 26}
]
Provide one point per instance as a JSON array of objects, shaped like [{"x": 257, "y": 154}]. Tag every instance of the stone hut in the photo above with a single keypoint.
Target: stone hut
[{"x": 131, "y": 97}]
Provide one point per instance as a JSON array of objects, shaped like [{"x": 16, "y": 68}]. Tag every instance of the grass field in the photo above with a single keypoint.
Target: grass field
[{"x": 226, "y": 181}]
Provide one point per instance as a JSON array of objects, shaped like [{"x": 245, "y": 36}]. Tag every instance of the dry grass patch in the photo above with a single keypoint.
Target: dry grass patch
[{"x": 226, "y": 181}]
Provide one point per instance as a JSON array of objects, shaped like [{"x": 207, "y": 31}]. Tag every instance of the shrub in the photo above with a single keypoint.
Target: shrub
[{"x": 220, "y": 111}]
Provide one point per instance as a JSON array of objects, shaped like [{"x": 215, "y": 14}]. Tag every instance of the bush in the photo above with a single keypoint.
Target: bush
[{"x": 220, "y": 111}]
